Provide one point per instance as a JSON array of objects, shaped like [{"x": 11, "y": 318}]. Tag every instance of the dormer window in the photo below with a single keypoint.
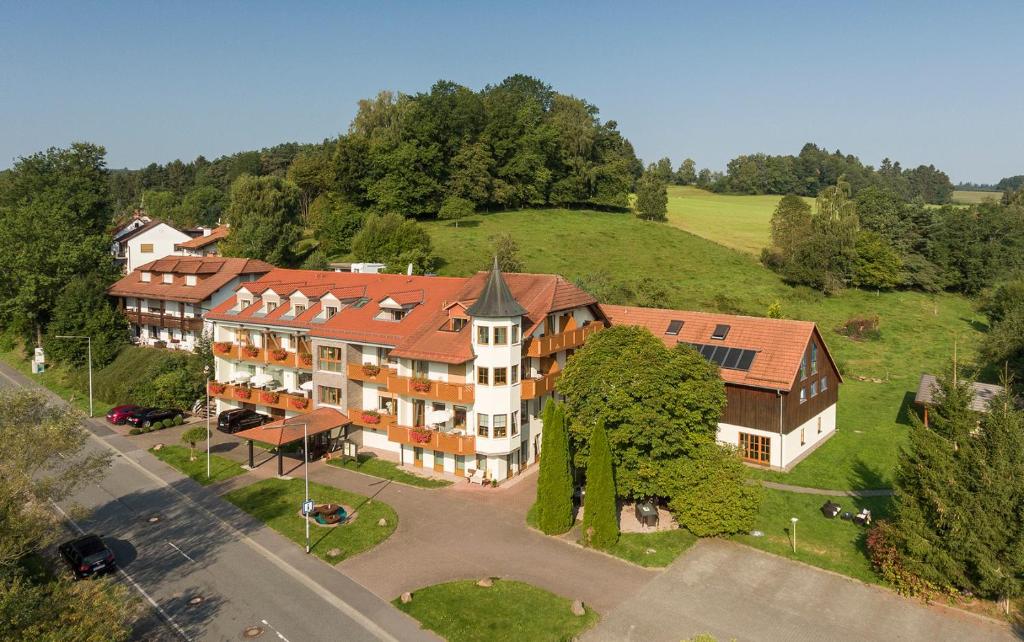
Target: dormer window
[
  {"x": 397, "y": 315},
  {"x": 168, "y": 278},
  {"x": 299, "y": 309},
  {"x": 190, "y": 279},
  {"x": 330, "y": 311},
  {"x": 458, "y": 323},
  {"x": 146, "y": 277},
  {"x": 271, "y": 306},
  {"x": 244, "y": 303}
]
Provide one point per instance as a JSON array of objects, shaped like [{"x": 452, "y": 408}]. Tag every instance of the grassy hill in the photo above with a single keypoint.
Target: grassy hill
[
  {"x": 917, "y": 330},
  {"x": 968, "y": 197}
]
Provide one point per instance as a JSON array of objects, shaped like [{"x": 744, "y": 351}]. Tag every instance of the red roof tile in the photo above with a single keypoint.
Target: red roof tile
[
  {"x": 216, "y": 234},
  {"x": 286, "y": 431},
  {"x": 213, "y": 273}
]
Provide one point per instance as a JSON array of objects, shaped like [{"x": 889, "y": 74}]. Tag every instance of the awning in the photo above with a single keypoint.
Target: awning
[{"x": 285, "y": 431}]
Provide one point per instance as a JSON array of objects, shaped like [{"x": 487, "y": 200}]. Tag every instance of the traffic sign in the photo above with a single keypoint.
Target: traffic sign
[{"x": 307, "y": 507}]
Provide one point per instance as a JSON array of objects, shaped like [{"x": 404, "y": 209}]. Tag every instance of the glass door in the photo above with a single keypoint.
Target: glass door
[{"x": 417, "y": 457}]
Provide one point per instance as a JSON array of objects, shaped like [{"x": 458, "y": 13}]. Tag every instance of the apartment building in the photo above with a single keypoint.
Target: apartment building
[
  {"x": 165, "y": 299},
  {"x": 448, "y": 373}
]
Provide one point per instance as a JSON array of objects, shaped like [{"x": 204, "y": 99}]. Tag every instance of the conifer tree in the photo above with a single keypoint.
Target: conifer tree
[
  {"x": 600, "y": 514},
  {"x": 554, "y": 485}
]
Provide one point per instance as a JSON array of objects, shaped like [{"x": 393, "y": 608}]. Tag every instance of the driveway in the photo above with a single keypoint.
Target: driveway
[{"x": 736, "y": 592}]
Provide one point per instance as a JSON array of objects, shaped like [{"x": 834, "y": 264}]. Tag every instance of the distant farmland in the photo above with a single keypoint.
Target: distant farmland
[{"x": 968, "y": 197}]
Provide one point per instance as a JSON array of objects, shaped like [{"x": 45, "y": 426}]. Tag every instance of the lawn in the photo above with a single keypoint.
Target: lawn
[
  {"x": 464, "y": 612},
  {"x": 178, "y": 457},
  {"x": 377, "y": 467},
  {"x": 833, "y": 544},
  {"x": 918, "y": 330},
  {"x": 970, "y": 197},
  {"x": 59, "y": 379},
  {"x": 738, "y": 222},
  {"x": 277, "y": 503}
]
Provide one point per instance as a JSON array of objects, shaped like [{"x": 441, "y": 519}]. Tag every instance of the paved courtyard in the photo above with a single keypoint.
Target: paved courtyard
[{"x": 736, "y": 592}]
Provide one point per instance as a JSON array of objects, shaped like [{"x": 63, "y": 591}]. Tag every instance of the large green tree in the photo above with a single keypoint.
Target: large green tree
[
  {"x": 600, "y": 504},
  {"x": 395, "y": 241},
  {"x": 656, "y": 404},
  {"x": 83, "y": 309},
  {"x": 264, "y": 218},
  {"x": 554, "y": 481},
  {"x": 54, "y": 215},
  {"x": 651, "y": 198}
]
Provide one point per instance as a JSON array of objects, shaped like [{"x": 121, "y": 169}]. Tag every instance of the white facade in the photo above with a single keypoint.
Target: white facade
[
  {"x": 152, "y": 244},
  {"x": 788, "y": 449}
]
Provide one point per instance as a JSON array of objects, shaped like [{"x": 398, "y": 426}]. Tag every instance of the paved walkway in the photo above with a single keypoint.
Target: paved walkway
[
  {"x": 877, "y": 492},
  {"x": 736, "y": 592},
  {"x": 464, "y": 531}
]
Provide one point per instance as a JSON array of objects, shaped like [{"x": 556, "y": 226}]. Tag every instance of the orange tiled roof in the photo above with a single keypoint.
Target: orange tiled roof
[
  {"x": 285, "y": 431},
  {"x": 218, "y": 233},
  {"x": 780, "y": 343},
  {"x": 213, "y": 273}
]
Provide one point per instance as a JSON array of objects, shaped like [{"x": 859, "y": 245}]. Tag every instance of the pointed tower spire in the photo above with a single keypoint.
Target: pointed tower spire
[{"x": 496, "y": 299}]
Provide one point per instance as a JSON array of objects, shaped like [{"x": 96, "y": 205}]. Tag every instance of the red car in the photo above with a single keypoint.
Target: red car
[{"x": 119, "y": 414}]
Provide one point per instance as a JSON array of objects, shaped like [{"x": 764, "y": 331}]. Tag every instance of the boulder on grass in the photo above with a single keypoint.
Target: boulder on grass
[
  {"x": 485, "y": 583},
  {"x": 382, "y": 522},
  {"x": 577, "y": 608},
  {"x": 158, "y": 447},
  {"x": 406, "y": 597}
]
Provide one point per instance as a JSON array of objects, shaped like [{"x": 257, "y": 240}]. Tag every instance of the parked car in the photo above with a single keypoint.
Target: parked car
[
  {"x": 238, "y": 419},
  {"x": 87, "y": 556},
  {"x": 146, "y": 419},
  {"x": 119, "y": 414}
]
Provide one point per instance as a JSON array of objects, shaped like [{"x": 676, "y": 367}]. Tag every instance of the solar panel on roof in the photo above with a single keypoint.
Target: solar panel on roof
[
  {"x": 721, "y": 331},
  {"x": 674, "y": 326},
  {"x": 746, "y": 359},
  {"x": 725, "y": 357},
  {"x": 732, "y": 358},
  {"x": 718, "y": 356},
  {"x": 706, "y": 351}
]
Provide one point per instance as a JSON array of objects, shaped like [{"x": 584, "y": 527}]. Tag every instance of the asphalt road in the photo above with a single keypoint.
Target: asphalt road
[{"x": 207, "y": 571}]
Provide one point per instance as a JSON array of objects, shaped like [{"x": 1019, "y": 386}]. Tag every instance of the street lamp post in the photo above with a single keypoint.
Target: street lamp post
[
  {"x": 89, "y": 349},
  {"x": 793, "y": 521},
  {"x": 305, "y": 468},
  {"x": 206, "y": 371}
]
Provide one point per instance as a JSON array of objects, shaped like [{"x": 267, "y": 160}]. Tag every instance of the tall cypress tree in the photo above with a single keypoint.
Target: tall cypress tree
[
  {"x": 554, "y": 485},
  {"x": 600, "y": 514}
]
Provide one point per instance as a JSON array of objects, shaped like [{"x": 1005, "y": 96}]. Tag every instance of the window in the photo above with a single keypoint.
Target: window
[
  {"x": 515, "y": 423},
  {"x": 500, "y": 336},
  {"x": 458, "y": 323},
  {"x": 803, "y": 440},
  {"x": 515, "y": 374},
  {"x": 483, "y": 335},
  {"x": 515, "y": 333},
  {"x": 330, "y": 311},
  {"x": 814, "y": 388},
  {"x": 483, "y": 376},
  {"x": 674, "y": 326},
  {"x": 244, "y": 303},
  {"x": 146, "y": 248},
  {"x": 824, "y": 384},
  {"x": 459, "y": 419},
  {"x": 803, "y": 395},
  {"x": 721, "y": 332},
  {"x": 803, "y": 368},
  {"x": 383, "y": 355},
  {"x": 419, "y": 412},
  {"x": 271, "y": 306},
  {"x": 481, "y": 426},
  {"x": 330, "y": 395},
  {"x": 756, "y": 448},
  {"x": 500, "y": 425},
  {"x": 501, "y": 376},
  {"x": 190, "y": 279},
  {"x": 420, "y": 368},
  {"x": 299, "y": 309},
  {"x": 145, "y": 277},
  {"x": 814, "y": 358},
  {"x": 330, "y": 358},
  {"x": 386, "y": 405},
  {"x": 391, "y": 315},
  {"x": 168, "y": 278}
]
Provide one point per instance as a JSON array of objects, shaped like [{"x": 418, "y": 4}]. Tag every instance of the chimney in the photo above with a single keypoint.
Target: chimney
[
  {"x": 409, "y": 270},
  {"x": 206, "y": 231}
]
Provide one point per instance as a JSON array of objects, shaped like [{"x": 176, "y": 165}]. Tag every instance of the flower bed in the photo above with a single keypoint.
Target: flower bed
[
  {"x": 222, "y": 347},
  {"x": 421, "y": 435},
  {"x": 266, "y": 396},
  {"x": 371, "y": 417},
  {"x": 242, "y": 393},
  {"x": 251, "y": 351},
  {"x": 306, "y": 359},
  {"x": 217, "y": 388}
]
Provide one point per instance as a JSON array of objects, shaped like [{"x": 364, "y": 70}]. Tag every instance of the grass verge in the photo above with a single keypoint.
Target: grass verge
[
  {"x": 276, "y": 502},
  {"x": 178, "y": 457},
  {"x": 385, "y": 469},
  {"x": 832, "y": 544},
  {"x": 58, "y": 379},
  {"x": 464, "y": 612}
]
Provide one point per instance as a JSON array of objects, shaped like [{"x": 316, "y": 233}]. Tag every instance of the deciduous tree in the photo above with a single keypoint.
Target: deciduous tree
[
  {"x": 710, "y": 494},
  {"x": 455, "y": 209},
  {"x": 651, "y": 198},
  {"x": 395, "y": 241},
  {"x": 264, "y": 218}
]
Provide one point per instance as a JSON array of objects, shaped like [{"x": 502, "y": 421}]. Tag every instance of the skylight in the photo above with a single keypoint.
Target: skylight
[
  {"x": 674, "y": 326},
  {"x": 721, "y": 332}
]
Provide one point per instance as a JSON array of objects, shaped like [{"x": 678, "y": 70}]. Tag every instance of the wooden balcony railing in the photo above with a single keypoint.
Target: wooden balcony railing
[
  {"x": 235, "y": 352},
  {"x": 384, "y": 421},
  {"x": 568, "y": 340},
  {"x": 244, "y": 394},
  {"x": 433, "y": 439},
  {"x": 356, "y": 372},
  {"x": 165, "y": 320},
  {"x": 438, "y": 390},
  {"x": 535, "y": 387}
]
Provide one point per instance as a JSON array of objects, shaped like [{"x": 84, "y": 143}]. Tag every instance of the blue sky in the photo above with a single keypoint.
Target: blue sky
[{"x": 921, "y": 83}]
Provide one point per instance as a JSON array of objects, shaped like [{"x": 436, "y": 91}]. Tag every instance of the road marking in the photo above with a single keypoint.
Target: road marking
[
  {"x": 185, "y": 555},
  {"x": 367, "y": 623},
  {"x": 124, "y": 574},
  {"x": 275, "y": 631}
]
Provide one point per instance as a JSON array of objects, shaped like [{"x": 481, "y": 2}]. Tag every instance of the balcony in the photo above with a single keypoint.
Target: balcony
[
  {"x": 568, "y": 340},
  {"x": 252, "y": 354},
  {"x": 383, "y": 422},
  {"x": 244, "y": 394},
  {"x": 537, "y": 386},
  {"x": 433, "y": 439},
  {"x": 164, "y": 320},
  {"x": 436, "y": 390},
  {"x": 356, "y": 372}
]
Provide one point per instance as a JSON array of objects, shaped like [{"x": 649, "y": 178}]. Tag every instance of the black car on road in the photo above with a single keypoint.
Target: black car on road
[
  {"x": 87, "y": 556},
  {"x": 238, "y": 419},
  {"x": 146, "y": 419}
]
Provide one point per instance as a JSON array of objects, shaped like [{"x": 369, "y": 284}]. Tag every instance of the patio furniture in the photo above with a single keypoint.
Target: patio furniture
[
  {"x": 646, "y": 513},
  {"x": 830, "y": 509},
  {"x": 477, "y": 477},
  {"x": 863, "y": 518}
]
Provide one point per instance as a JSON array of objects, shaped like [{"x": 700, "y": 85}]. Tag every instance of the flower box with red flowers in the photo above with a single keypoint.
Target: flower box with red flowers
[
  {"x": 371, "y": 417},
  {"x": 421, "y": 435},
  {"x": 267, "y": 396},
  {"x": 222, "y": 347},
  {"x": 278, "y": 354},
  {"x": 242, "y": 393},
  {"x": 299, "y": 404},
  {"x": 421, "y": 384},
  {"x": 251, "y": 351},
  {"x": 217, "y": 388},
  {"x": 371, "y": 370},
  {"x": 306, "y": 359}
]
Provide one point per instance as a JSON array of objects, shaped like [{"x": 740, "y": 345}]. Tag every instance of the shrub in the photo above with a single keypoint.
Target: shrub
[
  {"x": 860, "y": 328},
  {"x": 135, "y": 431},
  {"x": 888, "y": 563},
  {"x": 178, "y": 420},
  {"x": 710, "y": 494}
]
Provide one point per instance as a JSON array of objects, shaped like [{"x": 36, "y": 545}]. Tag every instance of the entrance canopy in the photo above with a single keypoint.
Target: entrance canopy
[{"x": 285, "y": 431}]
